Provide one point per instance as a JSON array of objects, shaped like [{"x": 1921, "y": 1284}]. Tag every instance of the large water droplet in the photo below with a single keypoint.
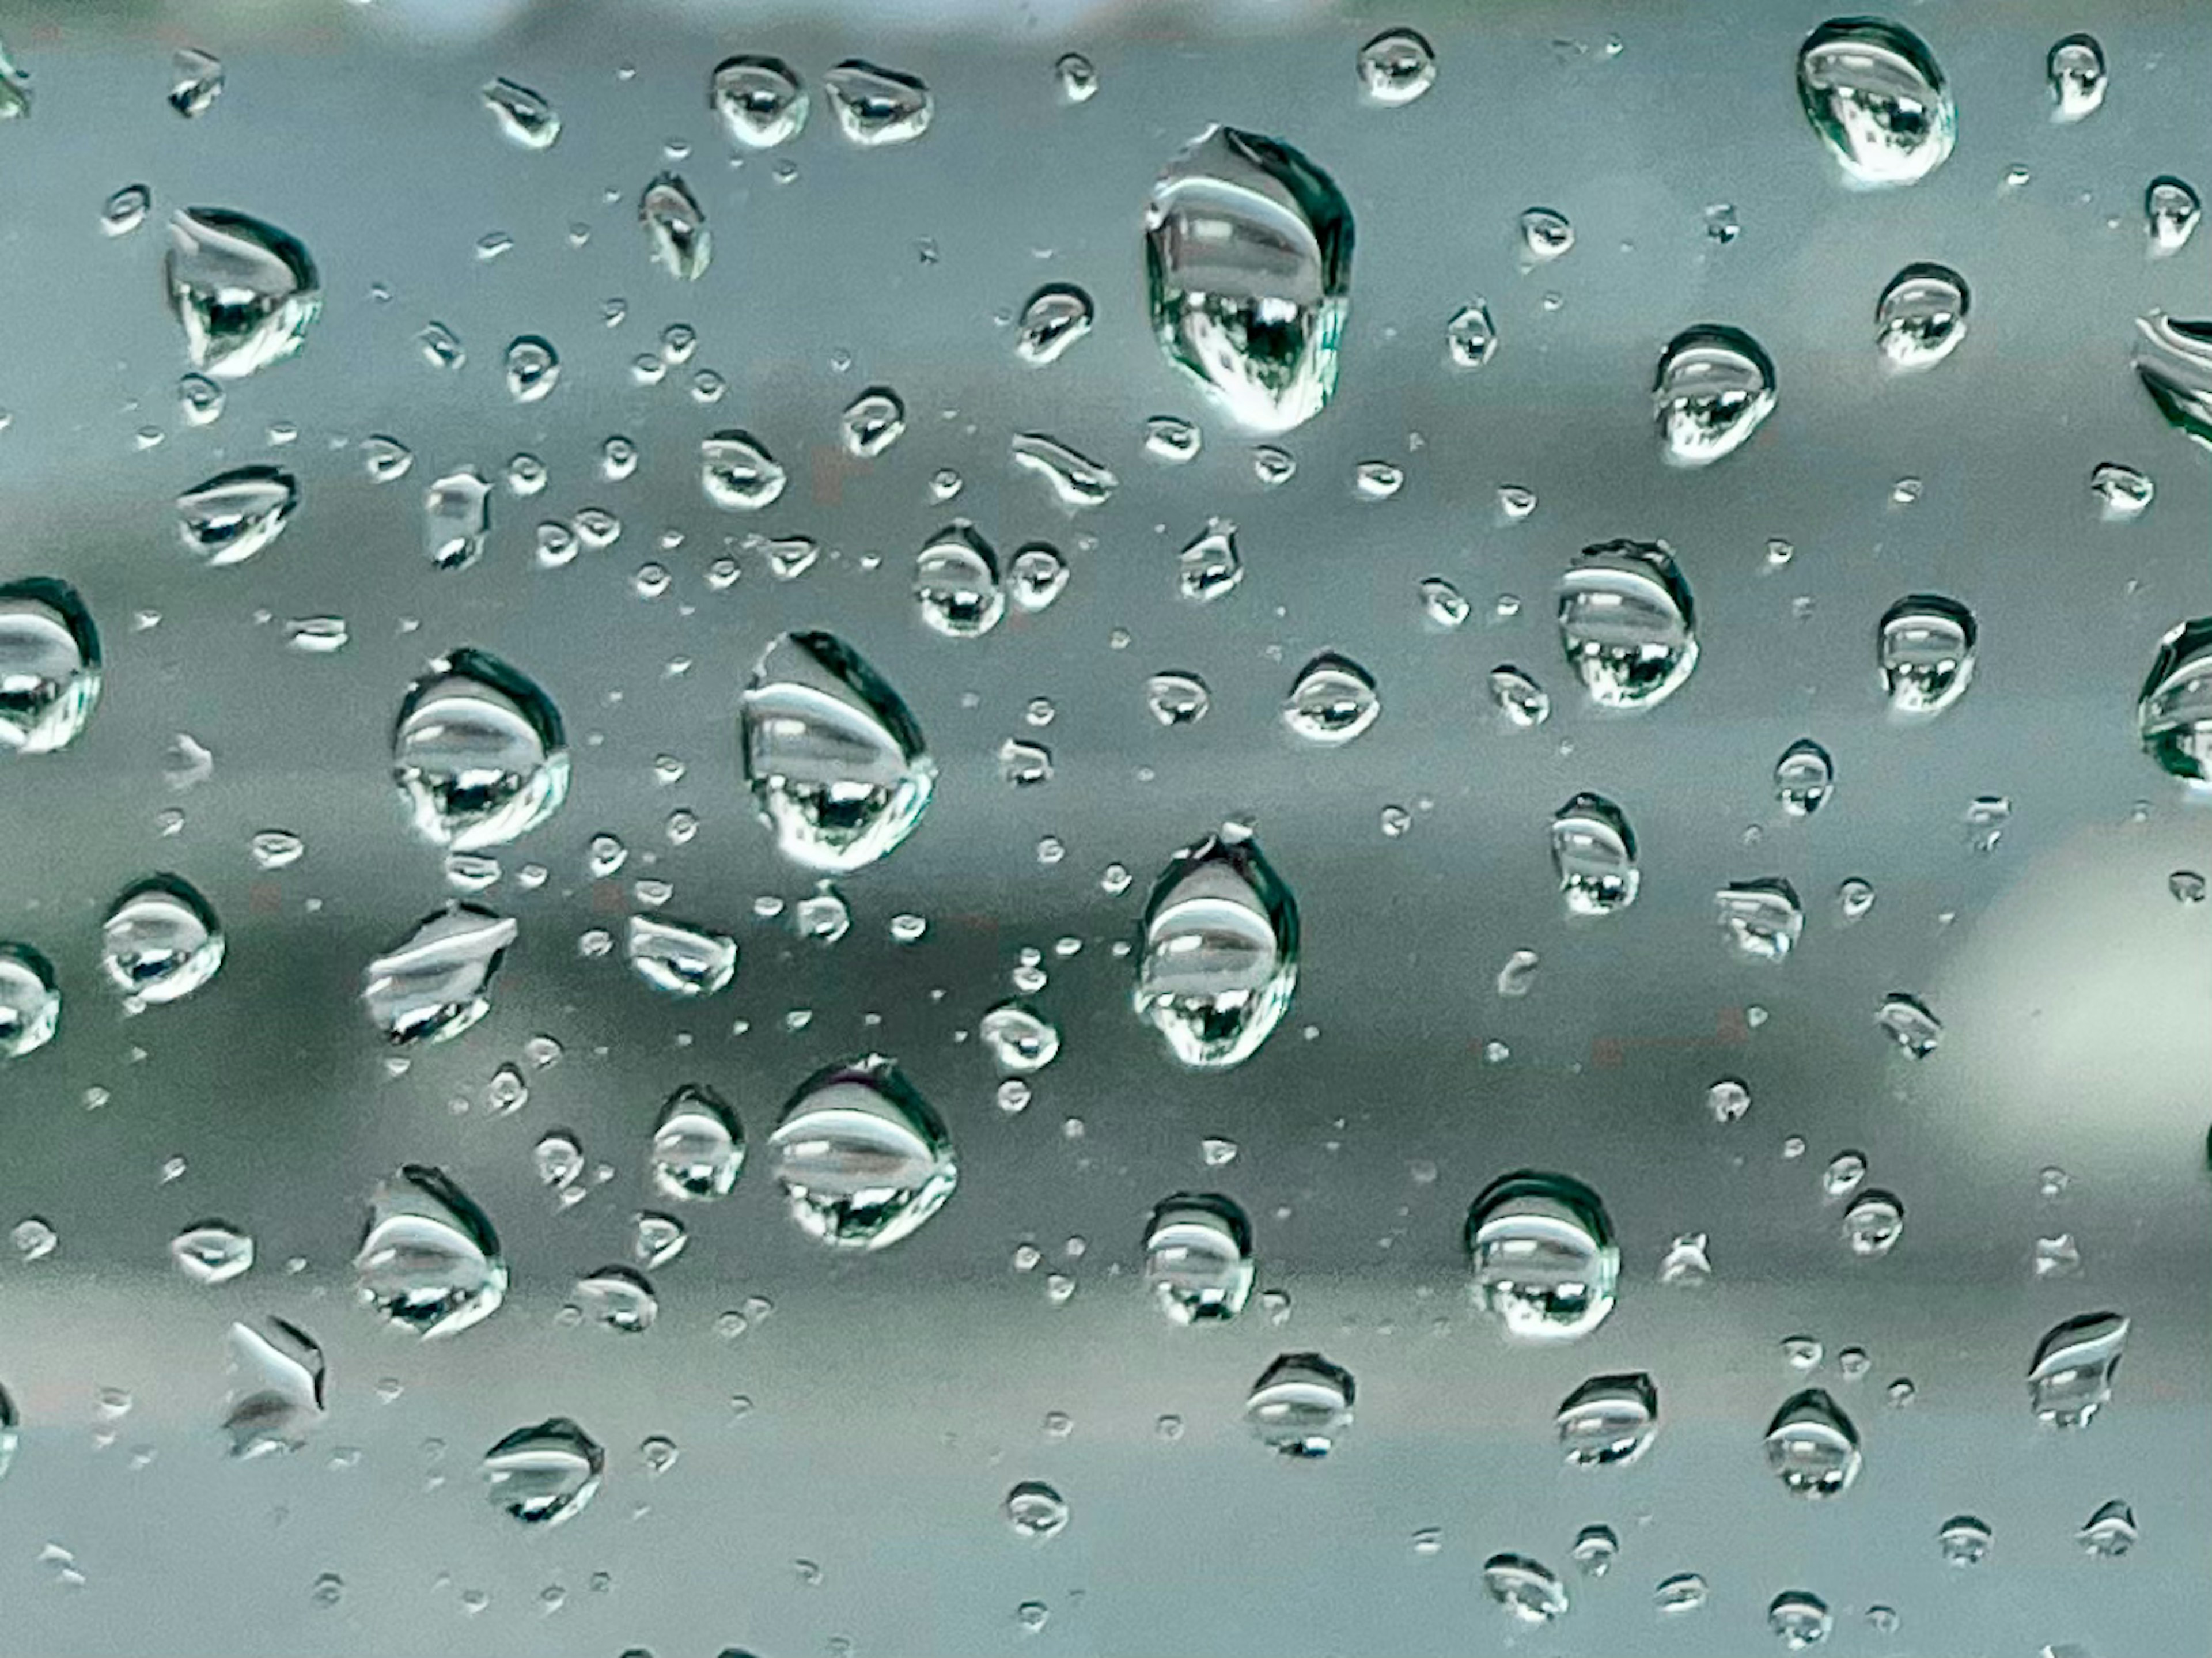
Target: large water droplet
[
  {"x": 1198, "y": 1258},
  {"x": 759, "y": 102},
  {"x": 1544, "y": 1262},
  {"x": 675, "y": 226},
  {"x": 1300, "y": 1406},
  {"x": 436, "y": 982},
  {"x": 837, "y": 764},
  {"x": 2173, "y": 361},
  {"x": 429, "y": 1260},
  {"x": 862, "y": 1159},
  {"x": 160, "y": 942},
  {"x": 1873, "y": 93},
  {"x": 49, "y": 666},
  {"x": 244, "y": 291},
  {"x": 30, "y": 1002},
  {"x": 1593, "y": 855},
  {"x": 739, "y": 474},
  {"x": 2170, "y": 212},
  {"x": 956, "y": 583},
  {"x": 1396, "y": 67},
  {"x": 1627, "y": 623},
  {"x": 279, "y": 1396},
  {"x": 1220, "y": 952},
  {"x": 525, "y": 118},
  {"x": 878, "y": 106},
  {"x": 1762, "y": 919},
  {"x": 1714, "y": 387},
  {"x": 479, "y": 753},
  {"x": 1812, "y": 1447},
  {"x": 2174, "y": 715},
  {"x": 1609, "y": 1421},
  {"x": 1056, "y": 316},
  {"x": 2070, "y": 1378},
  {"x": 2076, "y": 69},
  {"x": 234, "y": 514},
  {"x": 1925, "y": 645},
  {"x": 679, "y": 958},
  {"x": 1331, "y": 701},
  {"x": 545, "y": 1472},
  {"x": 1248, "y": 252},
  {"x": 1921, "y": 316},
  {"x": 698, "y": 1145}
]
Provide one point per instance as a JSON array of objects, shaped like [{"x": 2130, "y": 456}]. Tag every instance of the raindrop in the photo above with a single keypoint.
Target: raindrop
[
  {"x": 1873, "y": 93},
  {"x": 1210, "y": 566},
  {"x": 1762, "y": 919},
  {"x": 1593, "y": 855},
  {"x": 1377, "y": 480},
  {"x": 871, "y": 423},
  {"x": 1922, "y": 316},
  {"x": 822, "y": 916},
  {"x": 1843, "y": 1175},
  {"x": 244, "y": 291},
  {"x": 2122, "y": 492},
  {"x": 1056, "y": 316},
  {"x": 955, "y": 582},
  {"x": 1300, "y": 1406},
  {"x": 2171, "y": 211},
  {"x": 2078, "y": 80},
  {"x": 49, "y": 675},
  {"x": 738, "y": 474},
  {"x": 675, "y": 227},
  {"x": 30, "y": 1003},
  {"x": 1076, "y": 480},
  {"x": 2173, "y": 361},
  {"x": 1713, "y": 389},
  {"x": 441, "y": 348},
  {"x": 1627, "y": 623},
  {"x": 234, "y": 514},
  {"x": 1909, "y": 1023},
  {"x": 1685, "y": 1592},
  {"x": 479, "y": 753},
  {"x": 196, "y": 81},
  {"x": 1444, "y": 605},
  {"x": 1688, "y": 1262},
  {"x": 1799, "y": 1619},
  {"x": 1220, "y": 952},
  {"x": 1728, "y": 1100},
  {"x": 759, "y": 102},
  {"x": 1544, "y": 1262},
  {"x": 525, "y": 118},
  {"x": 14, "y": 104},
  {"x": 1545, "y": 234},
  {"x": 1518, "y": 974},
  {"x": 1803, "y": 778},
  {"x": 680, "y": 959},
  {"x": 456, "y": 517},
  {"x": 862, "y": 1159},
  {"x": 1812, "y": 1447},
  {"x": 1530, "y": 1593},
  {"x": 618, "y": 1297},
  {"x": 2173, "y": 714},
  {"x": 1925, "y": 645},
  {"x": 1078, "y": 78},
  {"x": 1873, "y": 1224},
  {"x": 1595, "y": 1549},
  {"x": 1471, "y": 337},
  {"x": 159, "y": 942},
  {"x": 1172, "y": 439},
  {"x": 698, "y": 1146},
  {"x": 2070, "y": 1378},
  {"x": 1331, "y": 701},
  {"x": 533, "y": 369},
  {"x": 126, "y": 209},
  {"x": 1036, "y": 577},
  {"x": 1018, "y": 1039},
  {"x": 1177, "y": 698},
  {"x": 1396, "y": 67},
  {"x": 429, "y": 1260},
  {"x": 279, "y": 1396},
  {"x": 436, "y": 982},
  {"x": 544, "y": 1474},
  {"x": 1609, "y": 1421},
  {"x": 385, "y": 459},
  {"x": 1198, "y": 1258},
  {"x": 1036, "y": 1511},
  {"x": 2110, "y": 1533},
  {"x": 878, "y": 106},
  {"x": 1248, "y": 250},
  {"x": 1963, "y": 1540},
  {"x": 1518, "y": 697}
]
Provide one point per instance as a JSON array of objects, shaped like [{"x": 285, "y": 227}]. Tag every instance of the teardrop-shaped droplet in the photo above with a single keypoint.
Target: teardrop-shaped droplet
[
  {"x": 1300, "y": 1406},
  {"x": 1471, "y": 337},
  {"x": 2173, "y": 714},
  {"x": 1812, "y": 1447},
  {"x": 2171, "y": 210},
  {"x": 1799, "y": 1619},
  {"x": 212, "y": 1252},
  {"x": 49, "y": 666},
  {"x": 1396, "y": 67},
  {"x": 1873, "y": 93},
  {"x": 1332, "y": 701},
  {"x": 244, "y": 291},
  {"x": 436, "y": 982},
  {"x": 544, "y": 1474},
  {"x": 1627, "y": 623},
  {"x": 1247, "y": 254},
  {"x": 836, "y": 762},
  {"x": 1921, "y": 316},
  {"x": 525, "y": 118},
  {"x": 1609, "y": 1421},
  {"x": 234, "y": 514},
  {"x": 2076, "y": 69},
  {"x": 956, "y": 583},
  {"x": 1198, "y": 1258},
  {"x": 30, "y": 1001},
  {"x": 1220, "y": 952},
  {"x": 278, "y": 1396},
  {"x": 1526, "y": 1590},
  {"x": 479, "y": 753},
  {"x": 1593, "y": 856},
  {"x": 862, "y": 1159},
  {"x": 675, "y": 226},
  {"x": 759, "y": 102},
  {"x": 1762, "y": 919},
  {"x": 871, "y": 423},
  {"x": 1714, "y": 388},
  {"x": 2173, "y": 360},
  {"x": 679, "y": 958},
  {"x": 1056, "y": 316},
  {"x": 2069, "y": 1379},
  {"x": 1803, "y": 778},
  {"x": 698, "y": 1146},
  {"x": 878, "y": 106},
  {"x": 1910, "y": 1024},
  {"x": 456, "y": 518},
  {"x": 1545, "y": 1263},
  {"x": 1925, "y": 645},
  {"x": 1209, "y": 566},
  {"x": 429, "y": 1260},
  {"x": 160, "y": 942}
]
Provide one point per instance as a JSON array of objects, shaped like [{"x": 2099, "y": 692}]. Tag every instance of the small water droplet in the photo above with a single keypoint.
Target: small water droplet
[
  {"x": 196, "y": 81},
  {"x": 1544, "y": 1262},
  {"x": 435, "y": 982},
  {"x": 1078, "y": 78},
  {"x": 1762, "y": 919},
  {"x": 871, "y": 423},
  {"x": 1595, "y": 1549},
  {"x": 675, "y": 226},
  {"x": 1593, "y": 856},
  {"x": 1909, "y": 1023},
  {"x": 2078, "y": 81},
  {"x": 479, "y": 753},
  {"x": 1546, "y": 233},
  {"x": 878, "y": 106},
  {"x": 1843, "y": 1175},
  {"x": 759, "y": 102},
  {"x": 126, "y": 209},
  {"x": 533, "y": 369},
  {"x": 619, "y": 1298},
  {"x": 738, "y": 474},
  {"x": 1627, "y": 623},
  {"x": 429, "y": 1260},
  {"x": 1036, "y": 1511},
  {"x": 1609, "y": 1421},
  {"x": 2122, "y": 492},
  {"x": 1471, "y": 337},
  {"x": 1799, "y": 1619},
  {"x": 1529, "y": 1592},
  {"x": 1688, "y": 1261},
  {"x": 1963, "y": 1540},
  {"x": 1685, "y": 1592},
  {"x": 1873, "y": 92},
  {"x": 1172, "y": 439},
  {"x": 1803, "y": 778},
  {"x": 212, "y": 1252},
  {"x": 1177, "y": 698},
  {"x": 1332, "y": 701},
  {"x": 456, "y": 518},
  {"x": 1925, "y": 646},
  {"x": 1922, "y": 316},
  {"x": 234, "y": 514},
  {"x": 2070, "y": 1378},
  {"x": 160, "y": 941},
  {"x": 1714, "y": 388},
  {"x": 1873, "y": 1224},
  {"x": 244, "y": 291},
  {"x": 524, "y": 117},
  {"x": 2173, "y": 360},
  {"x": 2109, "y": 1532},
  {"x": 679, "y": 958},
  {"x": 956, "y": 583},
  {"x": 1198, "y": 1258},
  {"x": 1377, "y": 480},
  {"x": 1220, "y": 953},
  {"x": 2171, "y": 210},
  {"x": 544, "y": 1473},
  {"x": 1018, "y": 1039},
  {"x": 1300, "y": 1406},
  {"x": 1054, "y": 318},
  {"x": 1812, "y": 1445},
  {"x": 1396, "y": 67},
  {"x": 279, "y": 1396}
]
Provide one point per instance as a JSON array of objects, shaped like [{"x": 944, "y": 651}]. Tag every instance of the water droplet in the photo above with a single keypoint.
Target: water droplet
[
  {"x": 1925, "y": 645},
  {"x": 675, "y": 226},
  {"x": 1376, "y": 480},
  {"x": 159, "y": 942},
  {"x": 1595, "y": 1549},
  {"x": 862, "y": 1159},
  {"x": 871, "y": 423},
  {"x": 1331, "y": 701},
  {"x": 1872, "y": 1223},
  {"x": 2110, "y": 1533},
  {"x": 525, "y": 118},
  {"x": 1803, "y": 778},
  {"x": 2122, "y": 492},
  {"x": 1627, "y": 623},
  {"x": 544, "y": 1474},
  {"x": 126, "y": 209},
  {"x": 1963, "y": 1540},
  {"x": 1210, "y": 566},
  {"x": 1762, "y": 919},
  {"x": 1714, "y": 388},
  {"x": 1018, "y": 1038},
  {"x": 212, "y": 1252},
  {"x": 759, "y": 102},
  {"x": 1471, "y": 337},
  {"x": 878, "y": 106},
  {"x": 1518, "y": 697},
  {"x": 435, "y": 982},
  {"x": 739, "y": 474},
  {"x": 1396, "y": 67},
  {"x": 836, "y": 762},
  {"x": 1688, "y": 1262},
  {"x": 1078, "y": 78},
  {"x": 2173, "y": 361},
  {"x": 234, "y": 514},
  {"x": 1300, "y": 1406},
  {"x": 50, "y": 672},
  {"x": 955, "y": 582},
  {"x": 479, "y": 753},
  {"x": 2070, "y": 1378},
  {"x": 1873, "y": 92},
  {"x": 1909, "y": 1023},
  {"x": 2078, "y": 81},
  {"x": 1685, "y": 1592},
  {"x": 1198, "y": 1258},
  {"x": 1220, "y": 952},
  {"x": 244, "y": 291},
  {"x": 429, "y": 1260},
  {"x": 680, "y": 959},
  {"x": 698, "y": 1146},
  {"x": 1056, "y": 316},
  {"x": 1248, "y": 250},
  {"x": 1843, "y": 1175},
  {"x": 1076, "y": 480},
  {"x": 1036, "y": 1511},
  {"x": 1036, "y": 577},
  {"x": 1546, "y": 233},
  {"x": 1544, "y": 1262},
  {"x": 2187, "y": 885},
  {"x": 1177, "y": 698},
  {"x": 1609, "y": 1421},
  {"x": 2174, "y": 715},
  {"x": 279, "y": 1396},
  {"x": 618, "y": 1297},
  {"x": 1172, "y": 439},
  {"x": 1529, "y": 1592},
  {"x": 1922, "y": 316},
  {"x": 533, "y": 369},
  {"x": 1593, "y": 855},
  {"x": 558, "y": 1159},
  {"x": 456, "y": 518},
  {"x": 196, "y": 81},
  {"x": 30, "y": 1003},
  {"x": 2171, "y": 211},
  {"x": 1799, "y": 1619},
  {"x": 1812, "y": 1447}
]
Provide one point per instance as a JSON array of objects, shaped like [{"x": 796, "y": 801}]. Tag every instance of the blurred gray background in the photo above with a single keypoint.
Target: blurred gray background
[{"x": 894, "y": 1398}]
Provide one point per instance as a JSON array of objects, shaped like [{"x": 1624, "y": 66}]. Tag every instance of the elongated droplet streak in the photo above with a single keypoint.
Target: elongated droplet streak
[
  {"x": 862, "y": 1159},
  {"x": 1075, "y": 479},
  {"x": 244, "y": 291},
  {"x": 1220, "y": 952}
]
